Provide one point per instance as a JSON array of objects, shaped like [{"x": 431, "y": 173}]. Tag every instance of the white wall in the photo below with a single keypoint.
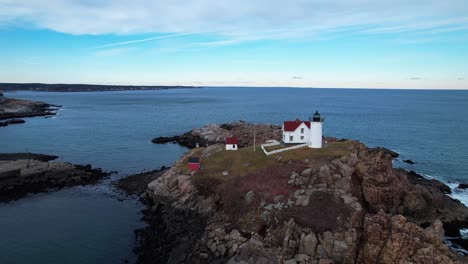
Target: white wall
[
  {"x": 231, "y": 146},
  {"x": 315, "y": 135},
  {"x": 296, "y": 134}
]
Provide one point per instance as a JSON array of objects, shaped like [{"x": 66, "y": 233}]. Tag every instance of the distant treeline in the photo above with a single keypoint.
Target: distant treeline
[{"x": 80, "y": 87}]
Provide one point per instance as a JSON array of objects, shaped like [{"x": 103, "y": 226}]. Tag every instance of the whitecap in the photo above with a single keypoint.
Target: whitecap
[
  {"x": 456, "y": 193},
  {"x": 464, "y": 233}
]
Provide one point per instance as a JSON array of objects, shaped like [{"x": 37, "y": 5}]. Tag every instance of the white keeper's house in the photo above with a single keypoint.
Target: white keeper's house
[
  {"x": 296, "y": 131},
  {"x": 304, "y": 132}
]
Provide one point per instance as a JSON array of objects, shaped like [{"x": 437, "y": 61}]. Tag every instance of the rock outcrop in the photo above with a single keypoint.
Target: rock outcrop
[
  {"x": 23, "y": 173},
  {"x": 16, "y": 108},
  {"x": 340, "y": 204},
  {"x": 13, "y": 121},
  {"x": 216, "y": 133},
  {"x": 138, "y": 183}
]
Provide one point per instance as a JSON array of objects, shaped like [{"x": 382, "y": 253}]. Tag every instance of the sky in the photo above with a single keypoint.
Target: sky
[{"x": 421, "y": 44}]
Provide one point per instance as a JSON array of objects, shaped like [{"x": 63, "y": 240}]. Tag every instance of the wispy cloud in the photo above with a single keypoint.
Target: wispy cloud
[
  {"x": 144, "y": 40},
  {"x": 110, "y": 52},
  {"x": 244, "y": 16}
]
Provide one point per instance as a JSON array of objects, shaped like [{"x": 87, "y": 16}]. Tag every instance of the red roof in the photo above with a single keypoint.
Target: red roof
[
  {"x": 291, "y": 126},
  {"x": 231, "y": 141}
]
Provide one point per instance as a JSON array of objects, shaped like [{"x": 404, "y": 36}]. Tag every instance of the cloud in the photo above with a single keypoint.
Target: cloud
[
  {"x": 296, "y": 77},
  {"x": 415, "y": 78},
  {"x": 143, "y": 40},
  {"x": 113, "y": 52},
  {"x": 235, "y": 19}
]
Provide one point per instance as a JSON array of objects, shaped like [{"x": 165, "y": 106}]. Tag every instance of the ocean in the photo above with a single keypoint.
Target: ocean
[{"x": 113, "y": 131}]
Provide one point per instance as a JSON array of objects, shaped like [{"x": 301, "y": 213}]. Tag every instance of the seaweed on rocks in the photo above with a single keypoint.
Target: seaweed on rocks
[{"x": 170, "y": 235}]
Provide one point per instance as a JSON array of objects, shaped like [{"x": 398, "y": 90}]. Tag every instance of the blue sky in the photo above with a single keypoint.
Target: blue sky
[{"x": 314, "y": 43}]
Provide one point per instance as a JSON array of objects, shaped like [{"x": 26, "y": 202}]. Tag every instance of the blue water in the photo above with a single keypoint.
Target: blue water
[{"x": 113, "y": 130}]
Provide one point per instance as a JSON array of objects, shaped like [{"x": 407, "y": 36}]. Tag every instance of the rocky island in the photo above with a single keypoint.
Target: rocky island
[
  {"x": 24, "y": 173},
  {"x": 344, "y": 203},
  {"x": 13, "y": 109}
]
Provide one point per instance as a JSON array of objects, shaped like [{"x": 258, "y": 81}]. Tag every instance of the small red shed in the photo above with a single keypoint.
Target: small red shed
[
  {"x": 193, "y": 163},
  {"x": 231, "y": 143}
]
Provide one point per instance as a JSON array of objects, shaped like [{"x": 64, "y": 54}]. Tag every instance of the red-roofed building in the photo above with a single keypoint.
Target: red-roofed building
[
  {"x": 296, "y": 131},
  {"x": 231, "y": 143}
]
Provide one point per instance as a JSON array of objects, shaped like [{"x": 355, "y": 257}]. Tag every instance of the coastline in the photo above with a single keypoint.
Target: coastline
[
  {"x": 186, "y": 195},
  {"x": 12, "y": 109},
  {"x": 25, "y": 173},
  {"x": 43, "y": 87}
]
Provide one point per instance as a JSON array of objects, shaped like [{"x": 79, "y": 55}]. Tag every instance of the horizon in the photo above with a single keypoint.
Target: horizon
[
  {"x": 237, "y": 86},
  {"x": 360, "y": 44}
]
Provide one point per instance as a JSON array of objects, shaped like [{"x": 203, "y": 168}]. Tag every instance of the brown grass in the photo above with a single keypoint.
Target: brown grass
[
  {"x": 265, "y": 172},
  {"x": 271, "y": 148},
  {"x": 245, "y": 161},
  {"x": 266, "y": 184},
  {"x": 267, "y": 176},
  {"x": 321, "y": 213}
]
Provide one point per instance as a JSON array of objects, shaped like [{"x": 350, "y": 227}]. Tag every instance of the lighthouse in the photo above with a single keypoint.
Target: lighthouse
[{"x": 315, "y": 139}]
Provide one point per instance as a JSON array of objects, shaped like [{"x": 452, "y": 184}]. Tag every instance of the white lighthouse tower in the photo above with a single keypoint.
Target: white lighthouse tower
[{"x": 315, "y": 139}]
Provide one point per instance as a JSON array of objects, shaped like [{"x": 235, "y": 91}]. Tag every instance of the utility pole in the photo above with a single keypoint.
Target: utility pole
[
  {"x": 255, "y": 131},
  {"x": 29, "y": 158}
]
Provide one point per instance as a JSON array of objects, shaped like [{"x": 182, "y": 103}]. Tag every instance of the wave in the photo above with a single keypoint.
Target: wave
[{"x": 457, "y": 193}]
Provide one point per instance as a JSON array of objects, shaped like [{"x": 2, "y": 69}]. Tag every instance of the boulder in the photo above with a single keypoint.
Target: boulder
[{"x": 308, "y": 245}]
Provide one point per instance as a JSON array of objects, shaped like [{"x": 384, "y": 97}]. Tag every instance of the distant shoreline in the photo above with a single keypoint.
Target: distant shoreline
[{"x": 43, "y": 87}]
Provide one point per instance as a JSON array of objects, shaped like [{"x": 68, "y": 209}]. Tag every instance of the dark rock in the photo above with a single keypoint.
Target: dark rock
[
  {"x": 461, "y": 242},
  {"x": 163, "y": 140},
  {"x": 25, "y": 173},
  {"x": 12, "y": 122},
  {"x": 170, "y": 234},
  {"x": 392, "y": 153},
  {"x": 409, "y": 161},
  {"x": 137, "y": 183},
  {"x": 33, "y": 156},
  {"x": 15, "y": 121},
  {"x": 187, "y": 140},
  {"x": 227, "y": 126},
  {"x": 463, "y": 186},
  {"x": 416, "y": 178},
  {"x": 452, "y": 228}
]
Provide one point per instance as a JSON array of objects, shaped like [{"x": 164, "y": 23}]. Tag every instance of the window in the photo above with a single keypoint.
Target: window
[
  {"x": 302, "y": 137},
  {"x": 302, "y": 131},
  {"x": 290, "y": 138}
]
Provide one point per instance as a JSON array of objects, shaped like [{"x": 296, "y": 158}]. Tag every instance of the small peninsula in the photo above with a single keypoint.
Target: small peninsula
[
  {"x": 24, "y": 173},
  {"x": 343, "y": 203},
  {"x": 13, "y": 109}
]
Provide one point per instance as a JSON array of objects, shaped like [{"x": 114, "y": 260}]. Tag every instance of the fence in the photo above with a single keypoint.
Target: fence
[{"x": 276, "y": 143}]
